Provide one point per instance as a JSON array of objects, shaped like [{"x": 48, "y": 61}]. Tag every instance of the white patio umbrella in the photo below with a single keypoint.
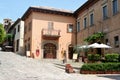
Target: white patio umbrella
[
  {"x": 83, "y": 46},
  {"x": 103, "y": 46},
  {"x": 93, "y": 45},
  {"x": 96, "y": 45}
]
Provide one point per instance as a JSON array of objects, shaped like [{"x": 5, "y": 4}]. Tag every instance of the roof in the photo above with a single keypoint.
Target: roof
[
  {"x": 52, "y": 9},
  {"x": 48, "y": 10},
  {"x": 15, "y": 23},
  {"x": 85, "y": 6}
]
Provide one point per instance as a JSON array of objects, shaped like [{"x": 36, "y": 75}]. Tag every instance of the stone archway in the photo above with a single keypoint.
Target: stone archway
[{"x": 49, "y": 51}]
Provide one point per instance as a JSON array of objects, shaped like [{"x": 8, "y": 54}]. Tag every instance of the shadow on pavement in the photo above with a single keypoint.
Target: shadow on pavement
[
  {"x": 62, "y": 66},
  {"x": 59, "y": 66},
  {"x": 111, "y": 76}
]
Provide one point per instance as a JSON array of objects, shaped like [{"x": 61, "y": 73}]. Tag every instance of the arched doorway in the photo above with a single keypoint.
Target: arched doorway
[
  {"x": 49, "y": 51},
  {"x": 70, "y": 51}
]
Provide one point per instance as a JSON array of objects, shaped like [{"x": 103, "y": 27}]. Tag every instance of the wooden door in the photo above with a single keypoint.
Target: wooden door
[{"x": 49, "y": 51}]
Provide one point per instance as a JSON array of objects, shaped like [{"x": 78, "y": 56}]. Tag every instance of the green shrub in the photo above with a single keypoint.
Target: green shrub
[
  {"x": 94, "y": 57},
  {"x": 114, "y": 57},
  {"x": 92, "y": 67},
  {"x": 101, "y": 67},
  {"x": 119, "y": 58}
]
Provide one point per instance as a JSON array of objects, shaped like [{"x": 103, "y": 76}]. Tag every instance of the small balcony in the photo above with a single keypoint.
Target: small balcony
[{"x": 50, "y": 34}]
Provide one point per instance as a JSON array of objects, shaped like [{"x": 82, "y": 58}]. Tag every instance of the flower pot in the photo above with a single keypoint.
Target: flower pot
[
  {"x": 100, "y": 72},
  {"x": 84, "y": 72},
  {"x": 108, "y": 72},
  {"x": 92, "y": 72}
]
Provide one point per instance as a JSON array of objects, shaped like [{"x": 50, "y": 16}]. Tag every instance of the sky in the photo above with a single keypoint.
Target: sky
[{"x": 15, "y": 9}]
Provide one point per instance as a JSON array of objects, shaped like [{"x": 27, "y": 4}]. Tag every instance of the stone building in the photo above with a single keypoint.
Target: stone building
[
  {"x": 17, "y": 30},
  {"x": 48, "y": 31},
  {"x": 100, "y": 16},
  {"x": 7, "y": 24}
]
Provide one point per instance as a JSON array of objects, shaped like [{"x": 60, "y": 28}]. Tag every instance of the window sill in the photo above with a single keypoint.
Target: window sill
[
  {"x": 92, "y": 25},
  {"x": 116, "y": 13},
  {"x": 106, "y": 18}
]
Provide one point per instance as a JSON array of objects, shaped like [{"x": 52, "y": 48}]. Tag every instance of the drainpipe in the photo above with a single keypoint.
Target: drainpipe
[{"x": 76, "y": 32}]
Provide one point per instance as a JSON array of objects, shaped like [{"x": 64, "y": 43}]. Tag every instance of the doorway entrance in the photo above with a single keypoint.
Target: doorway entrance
[
  {"x": 70, "y": 51},
  {"x": 50, "y": 51}
]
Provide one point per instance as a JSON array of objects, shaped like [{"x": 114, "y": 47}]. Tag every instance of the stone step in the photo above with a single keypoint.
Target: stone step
[
  {"x": 59, "y": 64},
  {"x": 62, "y": 66}
]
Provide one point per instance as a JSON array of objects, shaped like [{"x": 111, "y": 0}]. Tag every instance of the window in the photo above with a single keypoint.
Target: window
[
  {"x": 106, "y": 41},
  {"x": 17, "y": 46},
  {"x": 78, "y": 26},
  {"x": 85, "y": 22},
  {"x": 116, "y": 41},
  {"x": 91, "y": 19},
  {"x": 115, "y": 6},
  {"x": 30, "y": 26},
  {"x": 70, "y": 28},
  {"x": 18, "y": 28},
  {"x": 50, "y": 25},
  {"x": 105, "y": 16}
]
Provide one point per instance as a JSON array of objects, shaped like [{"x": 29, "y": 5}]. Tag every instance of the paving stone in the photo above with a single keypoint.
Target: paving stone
[{"x": 16, "y": 67}]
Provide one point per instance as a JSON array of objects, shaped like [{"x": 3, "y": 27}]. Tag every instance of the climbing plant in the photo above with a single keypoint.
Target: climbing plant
[{"x": 94, "y": 37}]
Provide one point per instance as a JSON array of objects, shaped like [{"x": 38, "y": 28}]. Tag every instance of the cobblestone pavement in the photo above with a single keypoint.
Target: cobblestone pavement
[{"x": 15, "y": 67}]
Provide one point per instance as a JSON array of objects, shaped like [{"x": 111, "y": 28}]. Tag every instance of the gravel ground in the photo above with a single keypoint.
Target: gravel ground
[{"x": 15, "y": 67}]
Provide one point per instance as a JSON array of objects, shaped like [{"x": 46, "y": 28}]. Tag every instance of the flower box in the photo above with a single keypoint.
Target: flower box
[{"x": 99, "y": 72}]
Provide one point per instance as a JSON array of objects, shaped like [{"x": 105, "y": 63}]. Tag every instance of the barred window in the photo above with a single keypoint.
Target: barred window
[
  {"x": 70, "y": 28},
  {"x": 116, "y": 41},
  {"x": 115, "y": 6}
]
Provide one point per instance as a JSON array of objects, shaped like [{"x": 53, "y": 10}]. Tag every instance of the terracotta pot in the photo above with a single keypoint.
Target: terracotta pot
[
  {"x": 100, "y": 72},
  {"x": 108, "y": 72},
  {"x": 115, "y": 72},
  {"x": 118, "y": 72},
  {"x": 84, "y": 72},
  {"x": 92, "y": 72}
]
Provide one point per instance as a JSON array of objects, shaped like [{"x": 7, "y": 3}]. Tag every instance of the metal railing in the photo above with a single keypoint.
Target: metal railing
[{"x": 50, "y": 32}]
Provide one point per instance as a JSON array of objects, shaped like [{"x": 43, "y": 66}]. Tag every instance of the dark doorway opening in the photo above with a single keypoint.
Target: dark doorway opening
[
  {"x": 99, "y": 51},
  {"x": 70, "y": 51},
  {"x": 49, "y": 51}
]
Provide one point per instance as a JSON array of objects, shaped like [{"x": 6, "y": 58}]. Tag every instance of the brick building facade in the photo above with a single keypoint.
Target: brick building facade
[{"x": 48, "y": 31}]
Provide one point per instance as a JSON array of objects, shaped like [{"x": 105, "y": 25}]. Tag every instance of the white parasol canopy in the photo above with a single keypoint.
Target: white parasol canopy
[
  {"x": 84, "y": 46},
  {"x": 103, "y": 46},
  {"x": 93, "y": 45},
  {"x": 96, "y": 45}
]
